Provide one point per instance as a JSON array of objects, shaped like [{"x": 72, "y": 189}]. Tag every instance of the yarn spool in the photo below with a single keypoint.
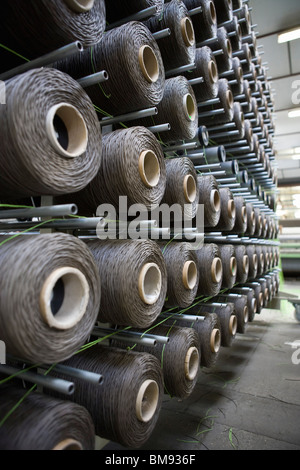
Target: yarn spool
[
  {"x": 179, "y": 359},
  {"x": 181, "y": 186},
  {"x": 224, "y": 10},
  {"x": 134, "y": 281},
  {"x": 206, "y": 67},
  {"x": 179, "y": 48},
  {"x": 208, "y": 329},
  {"x": 228, "y": 211},
  {"x": 182, "y": 274},
  {"x": 241, "y": 309},
  {"x": 227, "y": 254},
  {"x": 227, "y": 319},
  {"x": 266, "y": 256},
  {"x": 251, "y": 222},
  {"x": 239, "y": 120},
  {"x": 126, "y": 406},
  {"x": 244, "y": 14},
  {"x": 205, "y": 22},
  {"x": 209, "y": 197},
  {"x": 120, "y": 9},
  {"x": 43, "y": 423},
  {"x": 258, "y": 295},
  {"x": 178, "y": 107},
  {"x": 226, "y": 103},
  {"x": 62, "y": 22},
  {"x": 131, "y": 57},
  {"x": 236, "y": 39},
  {"x": 224, "y": 60},
  {"x": 258, "y": 222},
  {"x": 253, "y": 261},
  {"x": 210, "y": 270},
  {"x": 240, "y": 226},
  {"x": 251, "y": 301},
  {"x": 50, "y": 289},
  {"x": 237, "y": 88},
  {"x": 242, "y": 260},
  {"x": 265, "y": 291},
  {"x": 133, "y": 165},
  {"x": 51, "y": 148},
  {"x": 260, "y": 261}
]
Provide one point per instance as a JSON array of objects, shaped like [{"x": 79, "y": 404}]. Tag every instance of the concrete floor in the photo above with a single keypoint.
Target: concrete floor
[{"x": 249, "y": 401}]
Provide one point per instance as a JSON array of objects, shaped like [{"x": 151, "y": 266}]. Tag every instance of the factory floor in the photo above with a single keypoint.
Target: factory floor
[{"x": 249, "y": 401}]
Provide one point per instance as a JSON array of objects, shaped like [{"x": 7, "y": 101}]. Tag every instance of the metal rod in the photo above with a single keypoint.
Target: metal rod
[
  {"x": 196, "y": 81},
  {"x": 213, "y": 112},
  {"x": 93, "y": 79},
  {"x": 87, "y": 376},
  {"x": 164, "y": 33},
  {"x": 179, "y": 70},
  {"x": 160, "y": 128},
  {"x": 209, "y": 102},
  {"x": 51, "y": 211},
  {"x": 72, "y": 224},
  {"x": 183, "y": 317},
  {"x": 187, "y": 146},
  {"x": 195, "y": 11},
  {"x": 48, "y": 59},
  {"x": 59, "y": 385},
  {"x": 139, "y": 16},
  {"x": 129, "y": 117}
]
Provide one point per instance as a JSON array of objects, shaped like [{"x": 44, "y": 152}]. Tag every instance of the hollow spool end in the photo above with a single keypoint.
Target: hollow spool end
[
  {"x": 80, "y": 6},
  {"x": 66, "y": 130},
  {"x": 149, "y": 63},
  {"x": 229, "y": 99},
  {"x": 254, "y": 305},
  {"x": 213, "y": 72},
  {"x": 147, "y": 401},
  {"x": 64, "y": 298},
  {"x": 189, "y": 275},
  {"x": 189, "y": 189},
  {"x": 191, "y": 363},
  {"x": 68, "y": 444},
  {"x": 216, "y": 270},
  {"x": 246, "y": 314},
  {"x": 233, "y": 266},
  {"x": 233, "y": 325},
  {"x": 231, "y": 209},
  {"x": 187, "y": 31},
  {"x": 245, "y": 264},
  {"x": 150, "y": 283},
  {"x": 189, "y": 107},
  {"x": 261, "y": 299},
  {"x": 244, "y": 214},
  {"x": 149, "y": 168},
  {"x": 215, "y": 200},
  {"x": 213, "y": 13},
  {"x": 215, "y": 340}
]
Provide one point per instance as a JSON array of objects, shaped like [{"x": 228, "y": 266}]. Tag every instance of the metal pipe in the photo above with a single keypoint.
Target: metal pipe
[
  {"x": 129, "y": 117},
  {"x": 209, "y": 102},
  {"x": 87, "y": 376},
  {"x": 196, "y": 81},
  {"x": 135, "y": 335},
  {"x": 195, "y": 11},
  {"x": 32, "y": 212},
  {"x": 183, "y": 317},
  {"x": 160, "y": 128},
  {"x": 187, "y": 146},
  {"x": 139, "y": 16},
  {"x": 211, "y": 113},
  {"x": 93, "y": 79},
  {"x": 164, "y": 33},
  {"x": 72, "y": 224},
  {"x": 180, "y": 70}
]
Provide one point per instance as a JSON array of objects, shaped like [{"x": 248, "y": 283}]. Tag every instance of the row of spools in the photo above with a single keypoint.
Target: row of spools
[{"x": 145, "y": 315}]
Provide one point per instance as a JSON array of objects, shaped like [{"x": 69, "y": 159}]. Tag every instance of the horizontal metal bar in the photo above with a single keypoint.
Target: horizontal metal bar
[
  {"x": 164, "y": 33},
  {"x": 72, "y": 224},
  {"x": 129, "y": 117},
  {"x": 93, "y": 79},
  {"x": 47, "y": 211},
  {"x": 139, "y": 16},
  {"x": 160, "y": 128}
]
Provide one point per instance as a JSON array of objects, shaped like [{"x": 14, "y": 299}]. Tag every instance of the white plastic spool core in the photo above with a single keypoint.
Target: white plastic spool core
[
  {"x": 246, "y": 264},
  {"x": 189, "y": 107},
  {"x": 233, "y": 325},
  {"x": 189, "y": 188},
  {"x": 215, "y": 340},
  {"x": 80, "y": 6},
  {"x": 149, "y": 64},
  {"x": 187, "y": 31},
  {"x": 149, "y": 168},
  {"x": 191, "y": 363},
  {"x": 231, "y": 209},
  {"x": 189, "y": 275},
  {"x": 213, "y": 72},
  {"x": 150, "y": 283},
  {"x": 72, "y": 139},
  {"x": 216, "y": 270},
  {"x": 64, "y": 298},
  {"x": 215, "y": 200},
  {"x": 233, "y": 266},
  {"x": 147, "y": 400},
  {"x": 68, "y": 444}
]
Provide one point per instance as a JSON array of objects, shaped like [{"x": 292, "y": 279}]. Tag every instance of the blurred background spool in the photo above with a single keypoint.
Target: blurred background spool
[
  {"x": 181, "y": 186},
  {"x": 62, "y": 22},
  {"x": 133, "y": 278},
  {"x": 209, "y": 197},
  {"x": 251, "y": 221},
  {"x": 182, "y": 274},
  {"x": 51, "y": 290},
  {"x": 240, "y": 226},
  {"x": 133, "y": 165},
  {"x": 227, "y": 254},
  {"x": 179, "y": 359},
  {"x": 253, "y": 261},
  {"x": 132, "y": 59},
  {"x": 120, "y": 9},
  {"x": 126, "y": 406},
  {"x": 43, "y": 423},
  {"x": 206, "y": 67},
  {"x": 226, "y": 103},
  {"x": 204, "y": 22},
  {"x": 228, "y": 211},
  {"x": 179, "y": 48},
  {"x": 242, "y": 260},
  {"x": 227, "y": 318},
  {"x": 251, "y": 300},
  {"x": 258, "y": 222},
  {"x": 241, "y": 309},
  {"x": 210, "y": 270},
  {"x": 52, "y": 141},
  {"x": 260, "y": 261}
]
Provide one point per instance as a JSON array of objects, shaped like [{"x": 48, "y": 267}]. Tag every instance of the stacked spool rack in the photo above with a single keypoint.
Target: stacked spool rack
[{"x": 169, "y": 103}]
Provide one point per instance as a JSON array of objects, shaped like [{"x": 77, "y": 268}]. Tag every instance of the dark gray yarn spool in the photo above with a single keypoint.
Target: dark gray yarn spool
[
  {"x": 266, "y": 256},
  {"x": 224, "y": 10},
  {"x": 228, "y": 211},
  {"x": 178, "y": 107},
  {"x": 43, "y": 423},
  {"x": 253, "y": 261},
  {"x": 51, "y": 290},
  {"x": 239, "y": 120},
  {"x": 251, "y": 222},
  {"x": 210, "y": 270},
  {"x": 257, "y": 289},
  {"x": 264, "y": 290},
  {"x": 209, "y": 197},
  {"x": 234, "y": 27},
  {"x": 182, "y": 274},
  {"x": 240, "y": 226},
  {"x": 179, "y": 48},
  {"x": 131, "y": 57},
  {"x": 52, "y": 141},
  {"x": 244, "y": 13},
  {"x": 206, "y": 67},
  {"x": 238, "y": 76},
  {"x": 241, "y": 309},
  {"x": 133, "y": 165},
  {"x": 242, "y": 260},
  {"x": 179, "y": 359},
  {"x": 227, "y": 254},
  {"x": 227, "y": 318},
  {"x": 224, "y": 60},
  {"x": 260, "y": 261},
  {"x": 126, "y": 406},
  {"x": 133, "y": 280},
  {"x": 181, "y": 186},
  {"x": 33, "y": 31},
  {"x": 205, "y": 23},
  {"x": 116, "y": 10},
  {"x": 226, "y": 103},
  {"x": 258, "y": 222}
]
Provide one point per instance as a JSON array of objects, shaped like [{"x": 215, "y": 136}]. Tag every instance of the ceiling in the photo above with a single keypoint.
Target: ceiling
[{"x": 283, "y": 62}]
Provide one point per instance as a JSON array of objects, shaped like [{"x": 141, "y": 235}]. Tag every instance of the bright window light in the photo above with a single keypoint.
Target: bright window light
[
  {"x": 289, "y": 35},
  {"x": 294, "y": 113},
  {"x": 296, "y": 157}
]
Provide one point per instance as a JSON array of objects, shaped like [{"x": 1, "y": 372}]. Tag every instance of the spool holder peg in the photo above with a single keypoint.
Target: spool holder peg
[{"x": 141, "y": 15}]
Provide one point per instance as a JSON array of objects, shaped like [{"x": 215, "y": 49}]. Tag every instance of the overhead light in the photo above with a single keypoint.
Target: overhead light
[
  {"x": 290, "y": 35},
  {"x": 294, "y": 113}
]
